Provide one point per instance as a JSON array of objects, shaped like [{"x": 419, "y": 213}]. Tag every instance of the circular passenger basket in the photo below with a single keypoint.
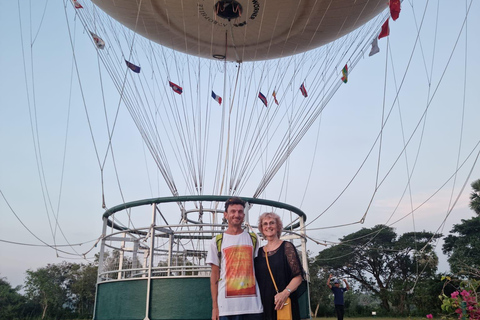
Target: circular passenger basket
[{"x": 151, "y": 268}]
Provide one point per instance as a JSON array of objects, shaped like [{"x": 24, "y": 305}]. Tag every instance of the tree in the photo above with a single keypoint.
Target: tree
[
  {"x": 12, "y": 304},
  {"x": 462, "y": 246},
  {"x": 475, "y": 197},
  {"x": 387, "y": 266},
  {"x": 319, "y": 292},
  {"x": 49, "y": 286},
  {"x": 83, "y": 286}
]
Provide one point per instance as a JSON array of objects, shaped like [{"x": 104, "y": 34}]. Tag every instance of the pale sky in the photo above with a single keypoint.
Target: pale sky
[{"x": 51, "y": 153}]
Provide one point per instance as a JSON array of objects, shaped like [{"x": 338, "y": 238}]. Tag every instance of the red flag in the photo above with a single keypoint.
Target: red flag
[
  {"x": 76, "y": 4},
  {"x": 175, "y": 87},
  {"x": 394, "y": 9},
  {"x": 385, "y": 30}
]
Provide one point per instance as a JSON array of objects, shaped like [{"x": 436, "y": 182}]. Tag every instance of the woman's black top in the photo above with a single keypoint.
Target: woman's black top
[{"x": 285, "y": 265}]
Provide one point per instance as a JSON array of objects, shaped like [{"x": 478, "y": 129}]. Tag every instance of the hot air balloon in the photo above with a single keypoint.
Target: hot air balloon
[
  {"x": 225, "y": 42},
  {"x": 220, "y": 98}
]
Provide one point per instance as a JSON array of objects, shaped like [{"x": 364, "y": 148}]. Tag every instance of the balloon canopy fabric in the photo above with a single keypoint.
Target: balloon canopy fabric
[{"x": 242, "y": 30}]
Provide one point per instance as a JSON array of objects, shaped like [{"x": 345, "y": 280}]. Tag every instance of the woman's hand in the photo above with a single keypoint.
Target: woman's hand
[{"x": 280, "y": 299}]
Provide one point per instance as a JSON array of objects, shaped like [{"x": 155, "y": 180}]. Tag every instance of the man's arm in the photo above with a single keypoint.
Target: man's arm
[
  {"x": 328, "y": 281},
  {"x": 346, "y": 284},
  {"x": 214, "y": 277}
]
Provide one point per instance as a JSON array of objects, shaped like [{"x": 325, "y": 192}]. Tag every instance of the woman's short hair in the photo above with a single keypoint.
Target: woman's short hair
[{"x": 276, "y": 217}]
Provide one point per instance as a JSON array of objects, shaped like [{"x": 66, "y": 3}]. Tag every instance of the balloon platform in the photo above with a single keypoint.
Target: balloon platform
[{"x": 152, "y": 269}]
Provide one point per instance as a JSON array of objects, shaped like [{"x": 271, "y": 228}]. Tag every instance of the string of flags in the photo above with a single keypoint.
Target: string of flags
[{"x": 395, "y": 7}]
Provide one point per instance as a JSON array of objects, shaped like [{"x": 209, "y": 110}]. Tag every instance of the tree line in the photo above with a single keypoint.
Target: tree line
[{"x": 389, "y": 274}]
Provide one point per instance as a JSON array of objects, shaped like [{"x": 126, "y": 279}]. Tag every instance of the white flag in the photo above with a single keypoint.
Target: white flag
[
  {"x": 98, "y": 41},
  {"x": 375, "y": 48}
]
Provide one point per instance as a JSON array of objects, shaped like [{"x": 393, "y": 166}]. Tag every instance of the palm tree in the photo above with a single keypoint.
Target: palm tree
[{"x": 475, "y": 197}]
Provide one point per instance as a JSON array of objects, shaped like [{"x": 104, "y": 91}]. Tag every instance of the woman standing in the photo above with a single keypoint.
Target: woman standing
[{"x": 285, "y": 265}]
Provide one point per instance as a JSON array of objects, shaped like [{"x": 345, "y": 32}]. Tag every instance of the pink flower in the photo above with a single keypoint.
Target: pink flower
[
  {"x": 465, "y": 293},
  {"x": 454, "y": 294},
  {"x": 429, "y": 316}
]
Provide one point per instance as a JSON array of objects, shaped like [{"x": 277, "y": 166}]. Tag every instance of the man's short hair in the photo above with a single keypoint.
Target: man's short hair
[{"x": 234, "y": 200}]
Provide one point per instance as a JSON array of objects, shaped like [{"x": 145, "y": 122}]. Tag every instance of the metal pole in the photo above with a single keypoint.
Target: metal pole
[
  {"x": 152, "y": 245},
  {"x": 100, "y": 263}
]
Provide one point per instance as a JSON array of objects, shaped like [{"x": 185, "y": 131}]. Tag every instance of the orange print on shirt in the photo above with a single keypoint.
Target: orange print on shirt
[{"x": 240, "y": 279}]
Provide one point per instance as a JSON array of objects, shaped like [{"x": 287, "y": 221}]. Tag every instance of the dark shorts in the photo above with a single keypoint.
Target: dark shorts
[{"x": 253, "y": 316}]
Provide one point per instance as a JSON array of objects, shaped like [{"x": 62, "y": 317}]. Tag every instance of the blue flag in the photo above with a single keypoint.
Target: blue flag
[{"x": 133, "y": 67}]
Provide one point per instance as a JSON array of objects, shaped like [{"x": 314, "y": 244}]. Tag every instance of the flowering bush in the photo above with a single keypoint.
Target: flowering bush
[{"x": 463, "y": 301}]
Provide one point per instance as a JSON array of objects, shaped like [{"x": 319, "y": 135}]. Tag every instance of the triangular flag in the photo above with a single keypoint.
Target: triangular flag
[
  {"x": 262, "y": 97},
  {"x": 385, "y": 30},
  {"x": 375, "y": 49},
  {"x": 217, "y": 98},
  {"x": 133, "y": 67},
  {"x": 394, "y": 9},
  {"x": 274, "y": 94},
  {"x": 76, "y": 4},
  {"x": 98, "y": 41},
  {"x": 345, "y": 74},
  {"x": 175, "y": 87},
  {"x": 303, "y": 90}
]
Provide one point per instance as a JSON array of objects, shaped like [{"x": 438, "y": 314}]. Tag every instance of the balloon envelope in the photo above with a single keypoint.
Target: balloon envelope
[{"x": 242, "y": 30}]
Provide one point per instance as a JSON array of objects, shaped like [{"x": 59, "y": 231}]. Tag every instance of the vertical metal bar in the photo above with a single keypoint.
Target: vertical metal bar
[
  {"x": 303, "y": 241},
  {"x": 134, "y": 255},
  {"x": 102, "y": 250},
  {"x": 150, "y": 264},
  {"x": 100, "y": 263},
  {"x": 120, "y": 260},
  {"x": 169, "y": 258}
]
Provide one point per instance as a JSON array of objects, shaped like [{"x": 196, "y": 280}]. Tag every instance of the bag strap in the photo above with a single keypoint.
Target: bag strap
[{"x": 269, "y": 270}]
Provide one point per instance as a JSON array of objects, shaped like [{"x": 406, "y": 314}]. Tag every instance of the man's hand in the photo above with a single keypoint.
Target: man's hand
[{"x": 215, "y": 314}]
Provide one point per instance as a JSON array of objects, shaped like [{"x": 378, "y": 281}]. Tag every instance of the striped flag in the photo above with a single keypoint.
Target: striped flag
[
  {"x": 175, "y": 87},
  {"x": 303, "y": 90},
  {"x": 345, "y": 74},
  {"x": 262, "y": 97},
  {"x": 217, "y": 98}
]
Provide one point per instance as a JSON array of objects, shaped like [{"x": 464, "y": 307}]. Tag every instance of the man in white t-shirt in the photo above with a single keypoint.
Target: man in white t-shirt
[{"x": 235, "y": 293}]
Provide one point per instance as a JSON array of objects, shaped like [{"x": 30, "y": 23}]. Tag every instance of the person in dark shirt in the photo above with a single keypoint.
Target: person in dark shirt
[{"x": 338, "y": 296}]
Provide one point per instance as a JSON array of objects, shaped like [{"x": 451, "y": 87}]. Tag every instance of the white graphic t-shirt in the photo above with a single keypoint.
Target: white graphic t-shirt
[{"x": 238, "y": 291}]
